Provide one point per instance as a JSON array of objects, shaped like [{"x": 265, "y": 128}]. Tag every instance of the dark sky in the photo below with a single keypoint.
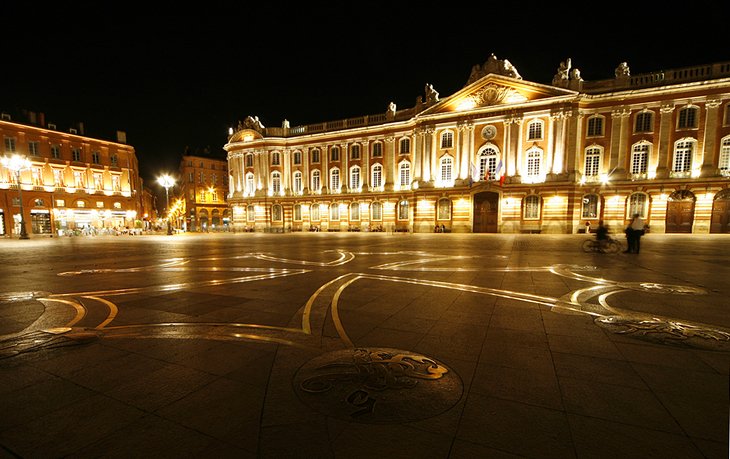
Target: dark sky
[{"x": 180, "y": 79}]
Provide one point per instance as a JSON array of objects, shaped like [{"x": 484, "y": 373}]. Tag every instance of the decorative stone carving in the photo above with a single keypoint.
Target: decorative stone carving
[
  {"x": 252, "y": 122},
  {"x": 493, "y": 65},
  {"x": 622, "y": 71},
  {"x": 432, "y": 95}
]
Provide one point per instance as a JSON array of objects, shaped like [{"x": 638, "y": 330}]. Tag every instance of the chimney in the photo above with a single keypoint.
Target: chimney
[{"x": 121, "y": 137}]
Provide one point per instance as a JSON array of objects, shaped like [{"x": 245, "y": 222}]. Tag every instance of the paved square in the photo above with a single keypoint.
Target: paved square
[{"x": 363, "y": 345}]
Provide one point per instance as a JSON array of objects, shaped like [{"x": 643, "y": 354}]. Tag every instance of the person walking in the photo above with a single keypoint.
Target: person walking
[{"x": 634, "y": 232}]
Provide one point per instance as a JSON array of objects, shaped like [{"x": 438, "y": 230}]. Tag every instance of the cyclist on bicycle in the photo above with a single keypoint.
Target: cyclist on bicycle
[{"x": 602, "y": 236}]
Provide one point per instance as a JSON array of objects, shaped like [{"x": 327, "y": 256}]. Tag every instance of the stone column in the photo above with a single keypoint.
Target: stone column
[
  {"x": 418, "y": 152},
  {"x": 665, "y": 129},
  {"x": 286, "y": 175},
  {"x": 306, "y": 179},
  {"x": 516, "y": 123},
  {"x": 708, "y": 142},
  {"x": 365, "y": 161},
  {"x": 390, "y": 163},
  {"x": 624, "y": 117},
  {"x": 345, "y": 171}
]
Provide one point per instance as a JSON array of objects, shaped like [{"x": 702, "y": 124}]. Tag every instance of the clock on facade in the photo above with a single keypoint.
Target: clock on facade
[{"x": 489, "y": 131}]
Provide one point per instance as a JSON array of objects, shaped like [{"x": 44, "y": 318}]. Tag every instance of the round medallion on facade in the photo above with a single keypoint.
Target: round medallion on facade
[
  {"x": 489, "y": 132},
  {"x": 377, "y": 386}
]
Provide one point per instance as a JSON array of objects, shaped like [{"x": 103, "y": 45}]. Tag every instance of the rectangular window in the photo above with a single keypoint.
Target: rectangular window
[
  {"x": 405, "y": 146},
  {"x": 377, "y": 181},
  {"x": 376, "y": 209},
  {"x": 56, "y": 151},
  {"x": 60, "y": 203},
  {"x": 683, "y": 157},
  {"x": 593, "y": 162},
  {"x": 534, "y": 131},
  {"x": 114, "y": 160},
  {"x": 315, "y": 156},
  {"x": 58, "y": 177},
  {"x": 687, "y": 118},
  {"x": 643, "y": 122},
  {"x": 532, "y": 207},
  {"x": 377, "y": 150},
  {"x": 10, "y": 144},
  {"x": 95, "y": 157},
  {"x": 355, "y": 152},
  {"x": 75, "y": 154},
  {"x": 595, "y": 126},
  {"x": 99, "y": 204},
  {"x": 534, "y": 160},
  {"x": 447, "y": 140},
  {"x": 314, "y": 212},
  {"x": 335, "y": 154},
  {"x": 34, "y": 148}
]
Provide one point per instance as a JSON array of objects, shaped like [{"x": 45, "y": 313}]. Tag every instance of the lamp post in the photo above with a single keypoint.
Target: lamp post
[
  {"x": 17, "y": 163},
  {"x": 167, "y": 182}
]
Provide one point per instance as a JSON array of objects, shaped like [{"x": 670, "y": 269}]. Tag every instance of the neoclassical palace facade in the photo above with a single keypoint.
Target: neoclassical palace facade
[{"x": 502, "y": 154}]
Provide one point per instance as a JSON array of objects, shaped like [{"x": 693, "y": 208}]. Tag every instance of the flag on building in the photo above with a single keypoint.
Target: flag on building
[
  {"x": 499, "y": 173},
  {"x": 472, "y": 173}
]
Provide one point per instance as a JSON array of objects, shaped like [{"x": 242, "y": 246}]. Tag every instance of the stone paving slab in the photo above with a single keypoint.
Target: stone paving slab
[{"x": 363, "y": 346}]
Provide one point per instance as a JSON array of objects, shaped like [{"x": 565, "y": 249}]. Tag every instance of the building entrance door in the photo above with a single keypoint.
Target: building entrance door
[
  {"x": 720, "y": 222},
  {"x": 680, "y": 212},
  {"x": 486, "y": 212}
]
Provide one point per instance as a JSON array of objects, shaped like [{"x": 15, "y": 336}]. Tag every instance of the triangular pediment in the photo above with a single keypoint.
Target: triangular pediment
[{"x": 494, "y": 90}]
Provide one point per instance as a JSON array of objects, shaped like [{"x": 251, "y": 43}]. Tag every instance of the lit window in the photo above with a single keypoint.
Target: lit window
[
  {"x": 724, "y": 162},
  {"x": 637, "y": 205},
  {"x": 376, "y": 211},
  {"x": 534, "y": 130},
  {"x": 251, "y": 214},
  {"x": 355, "y": 211},
  {"x": 316, "y": 181},
  {"x": 276, "y": 213},
  {"x": 488, "y": 164},
  {"x": 355, "y": 178},
  {"x": 405, "y": 174},
  {"x": 447, "y": 139},
  {"x": 403, "y": 210},
  {"x": 534, "y": 163},
  {"x": 639, "y": 158},
  {"x": 297, "y": 182},
  {"x": 590, "y": 206},
  {"x": 377, "y": 179},
  {"x": 405, "y": 146},
  {"x": 531, "y": 207},
  {"x": 593, "y": 162},
  {"x": 334, "y": 180},
  {"x": 298, "y": 212},
  {"x": 446, "y": 169},
  {"x": 99, "y": 204},
  {"x": 250, "y": 184},
  {"x": 444, "y": 209},
  {"x": 683, "y": 156},
  {"x": 334, "y": 211},
  {"x": 314, "y": 212},
  {"x": 276, "y": 183}
]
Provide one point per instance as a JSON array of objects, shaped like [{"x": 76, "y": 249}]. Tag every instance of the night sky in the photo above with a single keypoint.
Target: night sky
[{"x": 181, "y": 79}]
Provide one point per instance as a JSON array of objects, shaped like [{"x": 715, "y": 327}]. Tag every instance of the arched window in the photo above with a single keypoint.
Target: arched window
[
  {"x": 640, "y": 158},
  {"x": 355, "y": 211},
  {"x": 377, "y": 149},
  {"x": 251, "y": 214},
  {"x": 638, "y": 203},
  {"x": 724, "y": 162},
  {"x": 334, "y": 180},
  {"x": 405, "y": 174},
  {"x": 589, "y": 208},
  {"x": 593, "y": 161},
  {"x": 377, "y": 176},
  {"x": 405, "y": 146},
  {"x": 355, "y": 184},
  {"x": 334, "y": 211},
  {"x": 683, "y": 151},
  {"x": 276, "y": 183},
  {"x": 335, "y": 154},
  {"x": 250, "y": 184},
  {"x": 355, "y": 152},
  {"x": 249, "y": 160},
  {"x": 531, "y": 207},
  {"x": 534, "y": 164},
  {"x": 444, "y": 209},
  {"x": 316, "y": 181},
  {"x": 314, "y": 212},
  {"x": 297, "y": 212},
  {"x": 376, "y": 211},
  {"x": 403, "y": 210},
  {"x": 534, "y": 130},
  {"x": 488, "y": 163},
  {"x": 297, "y": 182},
  {"x": 447, "y": 176},
  {"x": 447, "y": 139}
]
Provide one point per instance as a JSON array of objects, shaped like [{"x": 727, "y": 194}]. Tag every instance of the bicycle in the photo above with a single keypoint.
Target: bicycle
[{"x": 610, "y": 245}]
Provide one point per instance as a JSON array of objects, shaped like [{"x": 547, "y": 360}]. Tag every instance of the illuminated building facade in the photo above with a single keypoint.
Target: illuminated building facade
[
  {"x": 202, "y": 195},
  {"x": 502, "y": 154},
  {"x": 74, "y": 184}
]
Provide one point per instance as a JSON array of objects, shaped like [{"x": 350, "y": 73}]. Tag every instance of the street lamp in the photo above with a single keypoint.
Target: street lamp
[
  {"x": 17, "y": 163},
  {"x": 167, "y": 182}
]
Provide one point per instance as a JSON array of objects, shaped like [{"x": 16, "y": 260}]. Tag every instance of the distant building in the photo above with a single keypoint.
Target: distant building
[
  {"x": 75, "y": 184},
  {"x": 203, "y": 187},
  {"x": 502, "y": 154}
]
